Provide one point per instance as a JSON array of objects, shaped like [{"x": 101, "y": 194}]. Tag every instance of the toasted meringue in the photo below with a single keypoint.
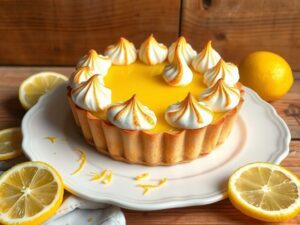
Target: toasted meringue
[
  {"x": 121, "y": 53},
  {"x": 151, "y": 52},
  {"x": 185, "y": 49},
  {"x": 178, "y": 72},
  {"x": 228, "y": 71},
  {"x": 189, "y": 114},
  {"x": 92, "y": 95},
  {"x": 221, "y": 97},
  {"x": 131, "y": 115},
  {"x": 98, "y": 64},
  {"x": 206, "y": 59},
  {"x": 80, "y": 75}
]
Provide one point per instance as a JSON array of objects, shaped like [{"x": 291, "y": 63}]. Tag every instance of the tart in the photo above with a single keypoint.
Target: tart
[{"x": 156, "y": 105}]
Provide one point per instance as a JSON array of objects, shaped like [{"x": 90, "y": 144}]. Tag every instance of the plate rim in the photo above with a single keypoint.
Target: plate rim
[{"x": 276, "y": 157}]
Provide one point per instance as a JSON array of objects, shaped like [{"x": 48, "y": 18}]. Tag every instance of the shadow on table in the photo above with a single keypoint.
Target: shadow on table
[{"x": 12, "y": 107}]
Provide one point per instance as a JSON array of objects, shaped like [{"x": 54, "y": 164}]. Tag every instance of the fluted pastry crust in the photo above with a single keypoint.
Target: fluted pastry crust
[{"x": 152, "y": 149}]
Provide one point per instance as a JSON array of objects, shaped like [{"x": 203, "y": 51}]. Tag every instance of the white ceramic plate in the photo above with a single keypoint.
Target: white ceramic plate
[{"x": 259, "y": 135}]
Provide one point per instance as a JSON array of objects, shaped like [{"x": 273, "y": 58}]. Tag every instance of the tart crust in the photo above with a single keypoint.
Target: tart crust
[{"x": 153, "y": 149}]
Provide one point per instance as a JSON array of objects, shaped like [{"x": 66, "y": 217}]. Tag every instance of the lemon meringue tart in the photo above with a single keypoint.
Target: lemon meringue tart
[{"x": 155, "y": 105}]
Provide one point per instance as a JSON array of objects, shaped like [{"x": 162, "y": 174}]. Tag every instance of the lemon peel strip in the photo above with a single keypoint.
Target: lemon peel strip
[
  {"x": 97, "y": 176},
  {"x": 82, "y": 160},
  {"x": 147, "y": 187},
  {"x": 52, "y": 139},
  {"x": 106, "y": 174},
  {"x": 108, "y": 178},
  {"x": 142, "y": 176}
]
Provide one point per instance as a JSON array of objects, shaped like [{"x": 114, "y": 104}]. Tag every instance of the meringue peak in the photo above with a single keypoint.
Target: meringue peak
[
  {"x": 98, "y": 64},
  {"x": 178, "y": 72},
  {"x": 181, "y": 41},
  {"x": 187, "y": 103},
  {"x": 208, "y": 47},
  {"x": 221, "y": 97},
  {"x": 92, "y": 54},
  {"x": 131, "y": 115},
  {"x": 150, "y": 40},
  {"x": 92, "y": 95},
  {"x": 123, "y": 42},
  {"x": 206, "y": 59},
  {"x": 151, "y": 52},
  {"x": 221, "y": 65},
  {"x": 80, "y": 75},
  {"x": 228, "y": 71},
  {"x": 121, "y": 53},
  {"x": 189, "y": 114},
  {"x": 182, "y": 46}
]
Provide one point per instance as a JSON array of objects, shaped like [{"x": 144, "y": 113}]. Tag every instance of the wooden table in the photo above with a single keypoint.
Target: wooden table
[{"x": 223, "y": 212}]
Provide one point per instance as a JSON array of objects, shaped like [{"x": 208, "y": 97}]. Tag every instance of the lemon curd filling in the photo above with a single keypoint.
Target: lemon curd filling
[{"x": 150, "y": 88}]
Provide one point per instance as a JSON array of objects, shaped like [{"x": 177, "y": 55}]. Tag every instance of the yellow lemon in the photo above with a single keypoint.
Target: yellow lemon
[
  {"x": 10, "y": 143},
  {"x": 267, "y": 73},
  {"x": 30, "y": 193},
  {"x": 38, "y": 84},
  {"x": 265, "y": 191}
]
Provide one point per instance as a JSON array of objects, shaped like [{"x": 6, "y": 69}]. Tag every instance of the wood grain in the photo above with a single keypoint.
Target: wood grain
[
  {"x": 221, "y": 213},
  {"x": 55, "y": 32},
  {"x": 238, "y": 27},
  {"x": 288, "y": 107}
]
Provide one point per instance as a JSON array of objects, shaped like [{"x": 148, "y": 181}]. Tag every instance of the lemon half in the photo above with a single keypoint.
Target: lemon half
[
  {"x": 10, "y": 143},
  {"x": 265, "y": 191},
  {"x": 30, "y": 193},
  {"x": 38, "y": 84}
]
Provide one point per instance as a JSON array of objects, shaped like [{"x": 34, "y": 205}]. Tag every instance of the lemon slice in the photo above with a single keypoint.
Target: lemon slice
[
  {"x": 10, "y": 143},
  {"x": 30, "y": 193},
  {"x": 38, "y": 84},
  {"x": 265, "y": 191}
]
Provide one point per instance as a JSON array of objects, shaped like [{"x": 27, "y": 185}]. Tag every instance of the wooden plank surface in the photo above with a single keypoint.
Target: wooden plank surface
[
  {"x": 221, "y": 213},
  {"x": 238, "y": 27},
  {"x": 55, "y": 32}
]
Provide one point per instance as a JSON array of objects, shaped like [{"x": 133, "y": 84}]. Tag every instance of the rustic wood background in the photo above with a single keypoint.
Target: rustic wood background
[
  {"x": 55, "y": 32},
  {"x": 238, "y": 27}
]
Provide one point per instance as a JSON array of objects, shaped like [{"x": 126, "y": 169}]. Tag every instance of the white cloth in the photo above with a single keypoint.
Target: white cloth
[{"x": 77, "y": 211}]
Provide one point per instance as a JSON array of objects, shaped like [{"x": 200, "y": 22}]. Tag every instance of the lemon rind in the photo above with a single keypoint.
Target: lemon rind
[
  {"x": 258, "y": 213},
  {"x": 22, "y": 94},
  {"x": 50, "y": 209}
]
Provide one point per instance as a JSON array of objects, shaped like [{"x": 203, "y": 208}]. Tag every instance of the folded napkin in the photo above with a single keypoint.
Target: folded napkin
[{"x": 77, "y": 211}]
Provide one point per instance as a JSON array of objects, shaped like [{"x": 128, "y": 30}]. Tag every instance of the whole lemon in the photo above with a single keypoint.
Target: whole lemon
[{"x": 267, "y": 73}]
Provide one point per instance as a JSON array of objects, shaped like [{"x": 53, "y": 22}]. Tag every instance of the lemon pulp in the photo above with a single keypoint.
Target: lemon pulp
[
  {"x": 38, "y": 84},
  {"x": 150, "y": 88},
  {"x": 265, "y": 191},
  {"x": 30, "y": 193},
  {"x": 16, "y": 186},
  {"x": 10, "y": 143},
  {"x": 271, "y": 190}
]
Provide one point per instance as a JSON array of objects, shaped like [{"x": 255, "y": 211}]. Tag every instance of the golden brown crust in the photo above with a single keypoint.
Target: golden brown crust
[{"x": 152, "y": 149}]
